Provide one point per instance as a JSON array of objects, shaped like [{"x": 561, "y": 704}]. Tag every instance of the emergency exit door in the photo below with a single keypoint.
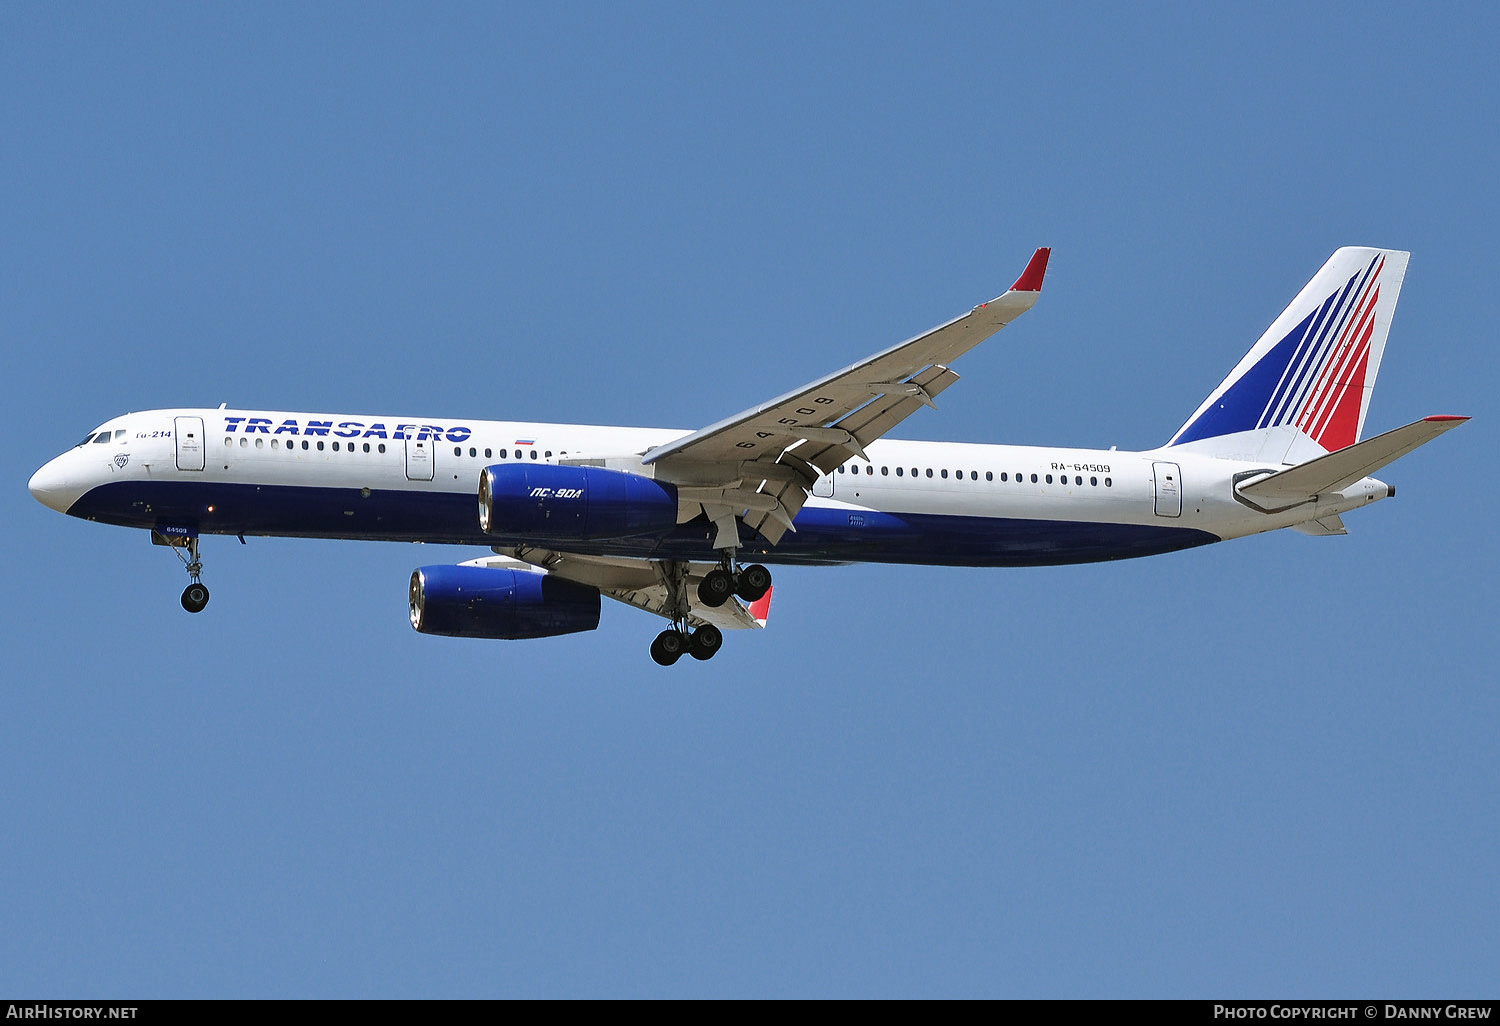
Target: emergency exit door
[
  {"x": 187, "y": 433},
  {"x": 1168, "y": 489},
  {"x": 419, "y": 459}
]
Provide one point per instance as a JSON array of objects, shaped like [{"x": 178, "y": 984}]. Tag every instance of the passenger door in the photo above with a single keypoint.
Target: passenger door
[
  {"x": 419, "y": 453},
  {"x": 1168, "y": 478},
  {"x": 187, "y": 433}
]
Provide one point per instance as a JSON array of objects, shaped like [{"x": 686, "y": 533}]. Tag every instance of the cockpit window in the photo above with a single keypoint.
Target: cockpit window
[
  {"x": 103, "y": 436},
  {"x": 119, "y": 434}
]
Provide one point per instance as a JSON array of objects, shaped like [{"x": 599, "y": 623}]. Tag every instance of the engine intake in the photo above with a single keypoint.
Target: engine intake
[
  {"x": 495, "y": 602},
  {"x": 547, "y": 501}
]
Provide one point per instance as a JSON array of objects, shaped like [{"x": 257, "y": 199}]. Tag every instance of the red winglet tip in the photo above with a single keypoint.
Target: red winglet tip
[
  {"x": 1031, "y": 278},
  {"x": 760, "y": 609},
  {"x": 1445, "y": 416}
]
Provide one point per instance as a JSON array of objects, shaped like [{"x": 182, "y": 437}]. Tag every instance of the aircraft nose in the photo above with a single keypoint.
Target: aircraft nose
[{"x": 49, "y": 486}]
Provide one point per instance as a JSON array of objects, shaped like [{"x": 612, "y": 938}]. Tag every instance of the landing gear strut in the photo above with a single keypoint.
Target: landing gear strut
[{"x": 195, "y": 595}]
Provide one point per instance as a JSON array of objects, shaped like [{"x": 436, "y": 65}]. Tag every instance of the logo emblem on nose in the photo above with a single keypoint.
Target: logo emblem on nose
[{"x": 122, "y": 459}]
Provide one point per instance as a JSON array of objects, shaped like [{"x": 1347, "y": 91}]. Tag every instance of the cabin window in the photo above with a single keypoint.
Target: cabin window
[
  {"x": 367, "y": 447},
  {"x": 458, "y": 450},
  {"x": 548, "y": 454},
  {"x": 487, "y": 454},
  {"x": 945, "y": 473},
  {"x": 260, "y": 443},
  {"x": 228, "y": 443},
  {"x": 885, "y": 471},
  {"x": 275, "y": 444},
  {"x": 533, "y": 454},
  {"x": 244, "y": 442},
  {"x": 1108, "y": 483},
  {"x": 929, "y": 471},
  {"x": 1033, "y": 479},
  {"x": 900, "y": 471},
  {"x": 841, "y": 470},
  {"x": 320, "y": 445},
  {"x": 1094, "y": 481},
  {"x": 473, "y": 451},
  {"x": 335, "y": 447}
]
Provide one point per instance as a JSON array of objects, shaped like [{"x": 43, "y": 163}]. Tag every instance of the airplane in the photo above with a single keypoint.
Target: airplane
[{"x": 665, "y": 519}]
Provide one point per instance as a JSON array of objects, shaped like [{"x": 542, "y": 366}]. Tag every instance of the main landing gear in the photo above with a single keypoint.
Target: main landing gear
[
  {"x": 717, "y": 587},
  {"x": 718, "y": 584},
  {"x": 672, "y": 644}
]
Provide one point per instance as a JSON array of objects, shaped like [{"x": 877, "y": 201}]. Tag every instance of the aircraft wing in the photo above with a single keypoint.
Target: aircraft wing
[
  {"x": 760, "y": 465},
  {"x": 637, "y": 582}
]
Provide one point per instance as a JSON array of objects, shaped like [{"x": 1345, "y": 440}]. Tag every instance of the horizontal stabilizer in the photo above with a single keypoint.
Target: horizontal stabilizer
[{"x": 1338, "y": 470}]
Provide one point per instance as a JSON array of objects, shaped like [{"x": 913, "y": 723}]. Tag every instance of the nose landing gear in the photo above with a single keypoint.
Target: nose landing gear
[{"x": 195, "y": 595}]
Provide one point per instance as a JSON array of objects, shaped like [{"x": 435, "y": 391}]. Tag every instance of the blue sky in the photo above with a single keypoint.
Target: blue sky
[{"x": 1266, "y": 768}]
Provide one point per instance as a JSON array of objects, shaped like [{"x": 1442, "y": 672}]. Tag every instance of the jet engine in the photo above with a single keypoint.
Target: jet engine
[
  {"x": 547, "y": 501},
  {"x": 497, "y": 602}
]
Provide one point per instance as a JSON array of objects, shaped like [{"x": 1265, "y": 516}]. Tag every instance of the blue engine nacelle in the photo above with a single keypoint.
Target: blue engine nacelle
[
  {"x": 495, "y": 602},
  {"x": 540, "y": 500}
]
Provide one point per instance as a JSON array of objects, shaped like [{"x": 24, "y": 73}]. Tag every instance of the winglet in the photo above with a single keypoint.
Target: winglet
[
  {"x": 1031, "y": 278},
  {"x": 760, "y": 609}
]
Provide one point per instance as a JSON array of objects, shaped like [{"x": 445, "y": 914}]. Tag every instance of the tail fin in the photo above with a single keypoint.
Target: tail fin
[{"x": 1304, "y": 389}]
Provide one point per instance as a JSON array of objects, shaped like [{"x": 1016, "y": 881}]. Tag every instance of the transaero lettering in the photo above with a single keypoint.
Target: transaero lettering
[{"x": 344, "y": 429}]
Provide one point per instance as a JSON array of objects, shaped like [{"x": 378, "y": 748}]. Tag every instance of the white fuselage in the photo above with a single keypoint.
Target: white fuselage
[{"x": 415, "y": 479}]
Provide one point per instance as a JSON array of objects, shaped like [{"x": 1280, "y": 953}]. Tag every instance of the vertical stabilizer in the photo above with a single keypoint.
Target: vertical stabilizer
[{"x": 1304, "y": 388}]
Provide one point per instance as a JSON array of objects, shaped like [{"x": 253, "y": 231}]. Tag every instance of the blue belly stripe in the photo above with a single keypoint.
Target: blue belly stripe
[{"x": 823, "y": 536}]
